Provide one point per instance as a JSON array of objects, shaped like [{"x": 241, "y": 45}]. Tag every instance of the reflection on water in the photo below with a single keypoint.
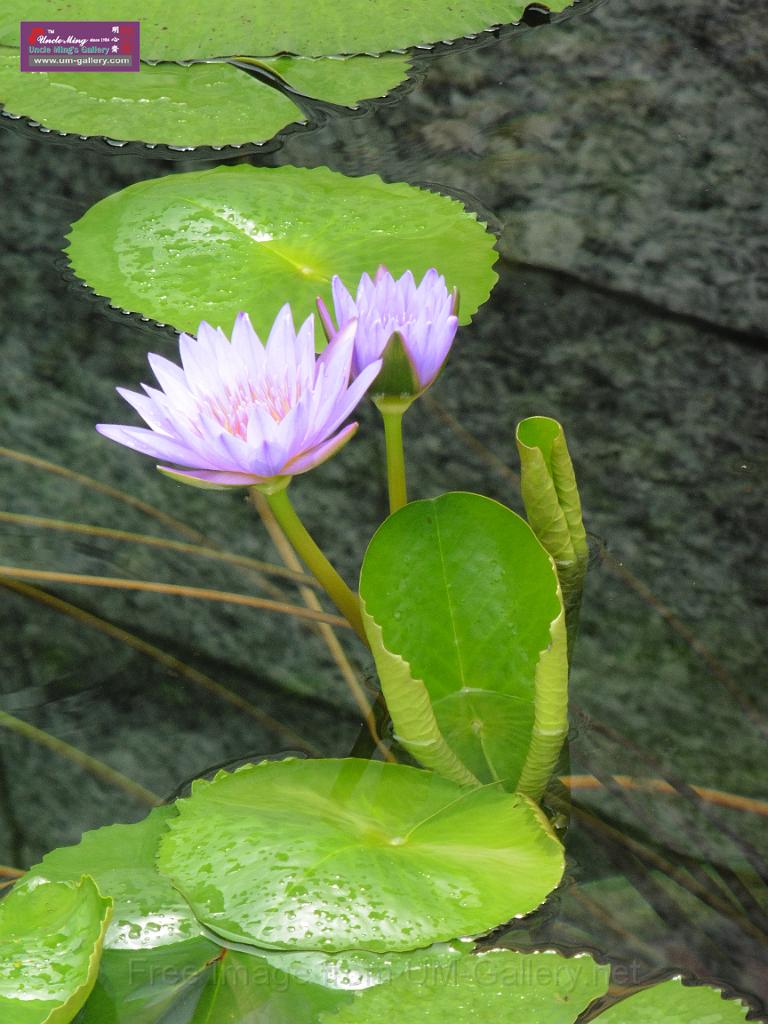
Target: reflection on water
[
  {"x": 621, "y": 152},
  {"x": 661, "y": 886}
]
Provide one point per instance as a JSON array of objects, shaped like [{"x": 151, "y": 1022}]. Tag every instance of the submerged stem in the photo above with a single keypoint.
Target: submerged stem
[{"x": 342, "y": 596}]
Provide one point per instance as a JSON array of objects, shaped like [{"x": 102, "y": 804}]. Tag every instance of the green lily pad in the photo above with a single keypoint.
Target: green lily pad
[
  {"x": 154, "y": 949},
  {"x": 141, "y": 986},
  {"x": 51, "y": 936},
  {"x": 350, "y": 854},
  {"x": 499, "y": 986},
  {"x": 248, "y": 988},
  {"x": 535, "y": 988},
  {"x": 215, "y": 104},
  {"x": 342, "y": 80},
  {"x": 356, "y": 969},
  {"x": 462, "y": 608},
  {"x": 208, "y": 244},
  {"x": 148, "y": 911},
  {"x": 353, "y": 969},
  {"x": 675, "y": 1003},
  {"x": 298, "y": 987},
  {"x": 186, "y": 29}
]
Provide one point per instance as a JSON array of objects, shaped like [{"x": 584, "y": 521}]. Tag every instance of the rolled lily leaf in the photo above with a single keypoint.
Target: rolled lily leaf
[
  {"x": 51, "y": 937},
  {"x": 463, "y": 611},
  {"x": 553, "y": 506}
]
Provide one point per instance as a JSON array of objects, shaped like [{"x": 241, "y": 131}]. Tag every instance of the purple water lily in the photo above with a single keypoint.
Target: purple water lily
[
  {"x": 410, "y": 326},
  {"x": 241, "y": 413}
]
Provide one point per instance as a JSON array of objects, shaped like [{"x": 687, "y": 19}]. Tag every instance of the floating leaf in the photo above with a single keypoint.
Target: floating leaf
[
  {"x": 154, "y": 949},
  {"x": 51, "y": 936},
  {"x": 140, "y": 986},
  {"x": 248, "y": 988},
  {"x": 214, "y": 104},
  {"x": 675, "y": 1003},
  {"x": 356, "y": 969},
  {"x": 345, "y": 81},
  {"x": 208, "y": 244},
  {"x": 199, "y": 105},
  {"x": 498, "y": 986},
  {"x": 148, "y": 912},
  {"x": 553, "y": 506},
  {"x": 341, "y": 854},
  {"x": 186, "y": 29},
  {"x": 462, "y": 608},
  {"x": 534, "y": 988},
  {"x": 297, "y": 987}
]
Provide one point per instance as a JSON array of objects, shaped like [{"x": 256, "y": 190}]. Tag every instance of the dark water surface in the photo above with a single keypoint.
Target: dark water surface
[{"x": 623, "y": 155}]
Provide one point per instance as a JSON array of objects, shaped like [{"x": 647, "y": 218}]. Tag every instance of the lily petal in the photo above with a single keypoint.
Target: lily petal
[
  {"x": 322, "y": 452},
  {"x": 238, "y": 412}
]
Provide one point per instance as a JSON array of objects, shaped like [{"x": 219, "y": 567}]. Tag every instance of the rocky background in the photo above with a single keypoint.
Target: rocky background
[{"x": 622, "y": 154}]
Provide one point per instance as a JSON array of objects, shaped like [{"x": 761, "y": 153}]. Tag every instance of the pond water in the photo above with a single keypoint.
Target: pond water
[{"x": 621, "y": 155}]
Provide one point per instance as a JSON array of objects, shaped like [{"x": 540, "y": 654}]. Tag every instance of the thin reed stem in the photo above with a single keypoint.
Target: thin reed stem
[{"x": 175, "y": 589}]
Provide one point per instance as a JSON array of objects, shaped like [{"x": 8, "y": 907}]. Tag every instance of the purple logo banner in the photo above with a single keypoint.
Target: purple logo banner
[{"x": 80, "y": 46}]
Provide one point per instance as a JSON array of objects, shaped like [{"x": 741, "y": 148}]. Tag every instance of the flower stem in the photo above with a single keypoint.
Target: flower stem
[
  {"x": 392, "y": 412},
  {"x": 305, "y": 547}
]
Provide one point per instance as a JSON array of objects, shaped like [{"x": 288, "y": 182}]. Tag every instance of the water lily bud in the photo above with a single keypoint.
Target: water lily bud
[{"x": 410, "y": 328}]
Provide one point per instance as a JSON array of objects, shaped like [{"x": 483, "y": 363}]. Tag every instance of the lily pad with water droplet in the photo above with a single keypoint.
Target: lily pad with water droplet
[
  {"x": 499, "y": 986},
  {"x": 51, "y": 935},
  {"x": 462, "y": 608},
  {"x": 535, "y": 988},
  {"x": 298, "y": 987},
  {"x": 676, "y": 1003},
  {"x": 214, "y": 104},
  {"x": 147, "y": 986},
  {"x": 148, "y": 912},
  {"x": 154, "y": 949},
  {"x": 349, "y": 854},
  {"x": 356, "y": 969},
  {"x": 342, "y": 80},
  {"x": 208, "y": 244},
  {"x": 248, "y": 988},
  {"x": 187, "y": 29}
]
